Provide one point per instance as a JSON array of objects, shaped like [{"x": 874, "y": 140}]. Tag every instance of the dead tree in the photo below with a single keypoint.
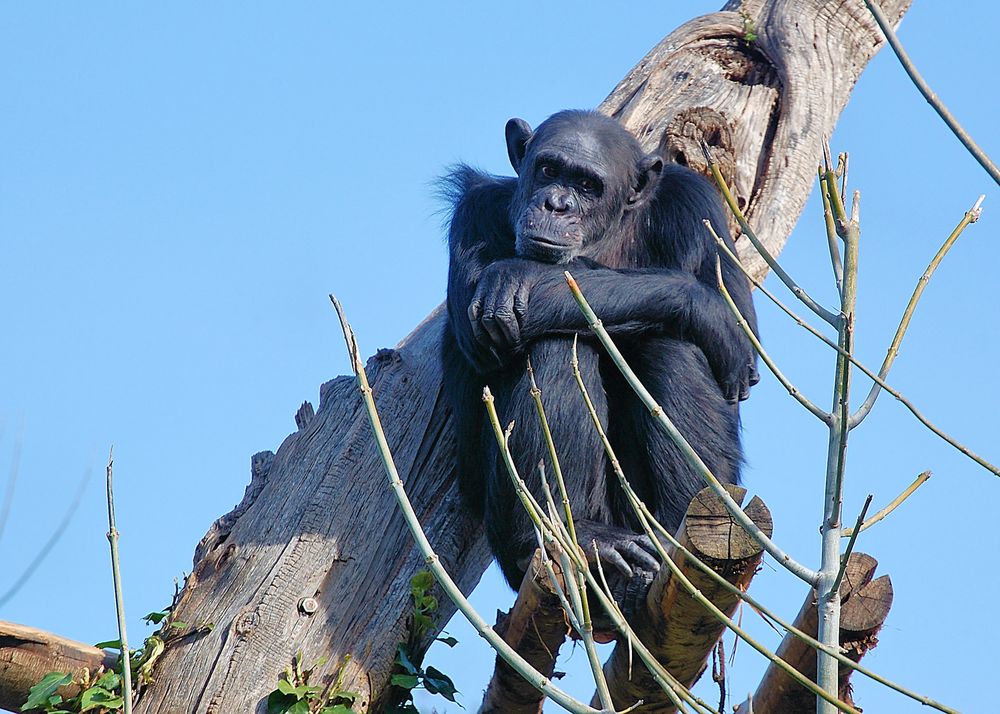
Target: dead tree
[{"x": 315, "y": 559}]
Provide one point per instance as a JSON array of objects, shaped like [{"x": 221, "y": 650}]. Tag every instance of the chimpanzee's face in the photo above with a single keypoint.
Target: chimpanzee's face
[{"x": 577, "y": 176}]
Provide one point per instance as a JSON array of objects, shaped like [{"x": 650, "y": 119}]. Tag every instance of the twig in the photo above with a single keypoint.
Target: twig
[
  {"x": 8, "y": 498},
  {"x": 796, "y": 290},
  {"x": 793, "y": 566},
  {"x": 771, "y": 365},
  {"x": 536, "y": 678},
  {"x": 867, "y": 372},
  {"x": 929, "y": 94},
  {"x": 850, "y": 544},
  {"x": 917, "y": 483},
  {"x": 831, "y": 235},
  {"x": 119, "y": 598},
  {"x": 971, "y": 216},
  {"x": 645, "y": 519},
  {"x": 44, "y": 551}
]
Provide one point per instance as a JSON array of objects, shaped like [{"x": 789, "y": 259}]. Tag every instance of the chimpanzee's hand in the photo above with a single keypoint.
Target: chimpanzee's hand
[
  {"x": 625, "y": 551},
  {"x": 499, "y": 305},
  {"x": 733, "y": 361}
]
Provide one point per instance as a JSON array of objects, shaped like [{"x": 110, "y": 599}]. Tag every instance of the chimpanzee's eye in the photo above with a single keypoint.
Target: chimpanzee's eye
[
  {"x": 549, "y": 171},
  {"x": 588, "y": 184}
]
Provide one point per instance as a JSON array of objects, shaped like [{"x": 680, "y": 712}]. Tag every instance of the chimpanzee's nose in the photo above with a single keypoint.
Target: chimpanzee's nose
[{"x": 560, "y": 202}]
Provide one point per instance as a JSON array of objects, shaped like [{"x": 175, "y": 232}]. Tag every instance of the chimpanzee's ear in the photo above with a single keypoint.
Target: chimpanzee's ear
[
  {"x": 647, "y": 177},
  {"x": 518, "y": 132}
]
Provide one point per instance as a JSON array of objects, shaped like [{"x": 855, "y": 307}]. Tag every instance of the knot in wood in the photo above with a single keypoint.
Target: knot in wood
[
  {"x": 246, "y": 624},
  {"x": 681, "y": 142}
]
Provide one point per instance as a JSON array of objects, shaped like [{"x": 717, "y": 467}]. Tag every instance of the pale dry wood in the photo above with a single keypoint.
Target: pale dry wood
[
  {"x": 678, "y": 630},
  {"x": 866, "y": 603},
  {"x": 317, "y": 520},
  {"x": 777, "y": 98},
  {"x": 27, "y": 655}
]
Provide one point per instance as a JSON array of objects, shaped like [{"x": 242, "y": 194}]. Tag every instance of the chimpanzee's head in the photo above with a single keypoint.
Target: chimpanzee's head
[{"x": 579, "y": 174}]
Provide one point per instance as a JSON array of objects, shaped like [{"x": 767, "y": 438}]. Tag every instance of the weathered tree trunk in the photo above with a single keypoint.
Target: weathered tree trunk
[{"x": 317, "y": 521}]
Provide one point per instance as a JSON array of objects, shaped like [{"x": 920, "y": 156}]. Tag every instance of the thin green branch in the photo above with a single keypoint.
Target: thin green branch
[
  {"x": 793, "y": 566},
  {"x": 647, "y": 517},
  {"x": 850, "y": 543},
  {"x": 796, "y": 290},
  {"x": 640, "y": 510},
  {"x": 971, "y": 216},
  {"x": 523, "y": 668},
  {"x": 932, "y": 98},
  {"x": 917, "y": 483},
  {"x": 536, "y": 395},
  {"x": 557, "y": 534},
  {"x": 831, "y": 235},
  {"x": 867, "y": 372},
  {"x": 745, "y": 326},
  {"x": 126, "y": 659}
]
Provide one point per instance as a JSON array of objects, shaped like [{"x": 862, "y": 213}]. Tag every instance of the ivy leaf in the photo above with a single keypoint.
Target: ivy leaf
[
  {"x": 278, "y": 703},
  {"x": 110, "y": 681},
  {"x": 437, "y": 682},
  {"x": 154, "y": 618},
  {"x": 406, "y": 681},
  {"x": 337, "y": 709},
  {"x": 286, "y": 687},
  {"x": 450, "y": 641},
  {"x": 351, "y": 697},
  {"x": 109, "y": 645},
  {"x": 38, "y": 696},
  {"x": 421, "y": 583},
  {"x": 404, "y": 661},
  {"x": 300, "y": 707},
  {"x": 99, "y": 697}
]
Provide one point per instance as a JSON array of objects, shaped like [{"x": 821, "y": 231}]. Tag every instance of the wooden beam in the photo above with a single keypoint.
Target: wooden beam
[{"x": 27, "y": 655}]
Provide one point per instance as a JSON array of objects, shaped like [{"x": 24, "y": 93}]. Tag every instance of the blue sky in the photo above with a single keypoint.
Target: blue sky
[{"x": 180, "y": 188}]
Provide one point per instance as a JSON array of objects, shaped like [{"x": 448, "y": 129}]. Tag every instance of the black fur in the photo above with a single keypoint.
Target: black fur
[{"x": 630, "y": 229}]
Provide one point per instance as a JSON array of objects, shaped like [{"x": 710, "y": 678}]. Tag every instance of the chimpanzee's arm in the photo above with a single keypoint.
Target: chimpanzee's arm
[{"x": 480, "y": 235}]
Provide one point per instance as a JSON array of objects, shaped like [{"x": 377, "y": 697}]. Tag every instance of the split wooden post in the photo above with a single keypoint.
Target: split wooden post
[{"x": 865, "y": 606}]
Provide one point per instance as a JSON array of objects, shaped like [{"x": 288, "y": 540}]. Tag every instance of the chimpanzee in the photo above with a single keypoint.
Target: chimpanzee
[{"x": 630, "y": 229}]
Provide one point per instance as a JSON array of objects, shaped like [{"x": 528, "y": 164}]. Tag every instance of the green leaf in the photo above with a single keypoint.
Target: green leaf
[
  {"x": 403, "y": 660},
  {"x": 406, "y": 681},
  {"x": 421, "y": 583},
  {"x": 99, "y": 697},
  {"x": 38, "y": 696},
  {"x": 154, "y": 618},
  {"x": 287, "y": 688},
  {"x": 337, "y": 709},
  {"x": 278, "y": 703},
  {"x": 343, "y": 694},
  {"x": 450, "y": 641},
  {"x": 111, "y": 680},
  {"x": 109, "y": 645},
  {"x": 437, "y": 682},
  {"x": 404, "y": 708},
  {"x": 300, "y": 707},
  {"x": 178, "y": 625}
]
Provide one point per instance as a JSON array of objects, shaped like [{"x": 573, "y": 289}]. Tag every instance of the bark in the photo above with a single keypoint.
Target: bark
[
  {"x": 317, "y": 520},
  {"x": 678, "y": 630},
  {"x": 27, "y": 655},
  {"x": 865, "y": 607}
]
